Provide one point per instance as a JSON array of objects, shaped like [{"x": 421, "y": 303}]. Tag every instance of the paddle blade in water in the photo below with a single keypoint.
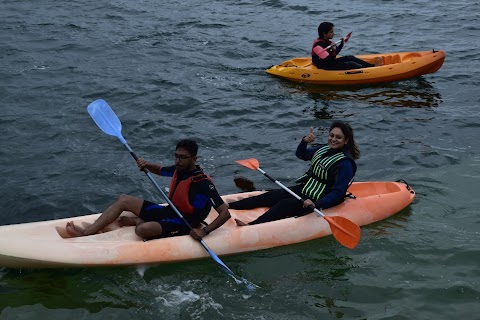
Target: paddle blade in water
[
  {"x": 251, "y": 163},
  {"x": 345, "y": 231},
  {"x": 105, "y": 118}
]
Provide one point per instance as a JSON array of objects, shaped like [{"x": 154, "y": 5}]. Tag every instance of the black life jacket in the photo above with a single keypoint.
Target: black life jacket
[{"x": 321, "y": 177}]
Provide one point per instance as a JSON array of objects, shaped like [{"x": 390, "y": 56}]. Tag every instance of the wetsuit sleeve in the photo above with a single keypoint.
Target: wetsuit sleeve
[
  {"x": 339, "y": 48},
  {"x": 305, "y": 153},
  {"x": 207, "y": 192},
  {"x": 167, "y": 171},
  {"x": 336, "y": 196}
]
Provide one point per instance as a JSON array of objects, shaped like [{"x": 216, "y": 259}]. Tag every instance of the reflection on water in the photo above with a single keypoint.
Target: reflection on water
[
  {"x": 391, "y": 225},
  {"x": 334, "y": 273},
  {"x": 413, "y": 93}
]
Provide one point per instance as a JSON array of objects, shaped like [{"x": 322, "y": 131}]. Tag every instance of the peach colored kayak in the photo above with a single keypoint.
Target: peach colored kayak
[
  {"x": 40, "y": 244},
  {"x": 397, "y": 66}
]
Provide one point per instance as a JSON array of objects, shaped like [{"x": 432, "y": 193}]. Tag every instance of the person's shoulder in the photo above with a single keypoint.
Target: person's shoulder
[
  {"x": 317, "y": 147},
  {"x": 207, "y": 185},
  {"x": 349, "y": 163}
]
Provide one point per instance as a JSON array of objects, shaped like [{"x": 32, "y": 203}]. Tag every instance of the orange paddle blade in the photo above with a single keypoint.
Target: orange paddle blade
[
  {"x": 251, "y": 163},
  {"x": 345, "y": 231}
]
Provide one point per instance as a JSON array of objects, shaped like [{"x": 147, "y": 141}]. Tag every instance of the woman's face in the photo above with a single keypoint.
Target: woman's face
[
  {"x": 336, "y": 139},
  {"x": 328, "y": 35}
]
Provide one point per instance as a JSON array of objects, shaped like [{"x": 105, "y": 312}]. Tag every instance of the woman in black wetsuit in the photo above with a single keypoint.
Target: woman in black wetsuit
[
  {"x": 332, "y": 168},
  {"x": 331, "y": 62}
]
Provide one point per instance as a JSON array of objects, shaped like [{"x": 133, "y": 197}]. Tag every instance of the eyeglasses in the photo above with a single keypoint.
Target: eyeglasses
[{"x": 181, "y": 157}]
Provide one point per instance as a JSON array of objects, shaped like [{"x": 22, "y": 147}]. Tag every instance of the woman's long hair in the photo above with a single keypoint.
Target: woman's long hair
[{"x": 348, "y": 133}]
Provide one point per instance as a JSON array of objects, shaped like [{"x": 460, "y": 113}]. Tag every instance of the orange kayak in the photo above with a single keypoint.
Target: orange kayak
[
  {"x": 41, "y": 245},
  {"x": 396, "y": 66}
]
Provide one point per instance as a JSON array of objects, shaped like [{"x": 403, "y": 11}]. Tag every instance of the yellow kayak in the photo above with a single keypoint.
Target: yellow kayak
[
  {"x": 396, "y": 66},
  {"x": 42, "y": 244}
]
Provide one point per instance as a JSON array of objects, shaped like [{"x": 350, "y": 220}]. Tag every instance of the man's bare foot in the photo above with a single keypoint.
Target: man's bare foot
[
  {"x": 127, "y": 221},
  {"x": 378, "y": 62},
  {"x": 73, "y": 230},
  {"x": 240, "y": 223},
  {"x": 108, "y": 228}
]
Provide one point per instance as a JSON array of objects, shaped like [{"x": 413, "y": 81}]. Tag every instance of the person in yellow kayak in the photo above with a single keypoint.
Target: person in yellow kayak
[
  {"x": 324, "y": 185},
  {"x": 327, "y": 59},
  {"x": 191, "y": 191}
]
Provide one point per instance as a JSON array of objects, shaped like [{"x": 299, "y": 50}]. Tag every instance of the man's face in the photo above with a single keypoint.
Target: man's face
[{"x": 184, "y": 160}]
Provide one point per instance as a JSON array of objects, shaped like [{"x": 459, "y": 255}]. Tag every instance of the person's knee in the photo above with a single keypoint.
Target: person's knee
[
  {"x": 129, "y": 203},
  {"x": 149, "y": 230},
  {"x": 123, "y": 199}
]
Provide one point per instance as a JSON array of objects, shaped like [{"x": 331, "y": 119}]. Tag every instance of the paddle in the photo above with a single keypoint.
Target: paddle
[
  {"x": 323, "y": 53},
  {"x": 109, "y": 123},
  {"x": 345, "y": 231}
]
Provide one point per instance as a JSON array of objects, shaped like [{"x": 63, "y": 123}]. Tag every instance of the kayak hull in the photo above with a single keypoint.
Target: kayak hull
[
  {"x": 41, "y": 245},
  {"x": 397, "y": 66}
]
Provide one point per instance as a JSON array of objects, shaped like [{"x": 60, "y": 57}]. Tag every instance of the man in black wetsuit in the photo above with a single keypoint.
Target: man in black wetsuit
[{"x": 191, "y": 191}]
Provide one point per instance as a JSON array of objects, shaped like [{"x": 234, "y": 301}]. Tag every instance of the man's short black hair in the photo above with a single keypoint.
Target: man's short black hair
[{"x": 189, "y": 145}]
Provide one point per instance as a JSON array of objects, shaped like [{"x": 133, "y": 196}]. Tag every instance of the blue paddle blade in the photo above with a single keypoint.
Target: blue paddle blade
[{"x": 106, "y": 119}]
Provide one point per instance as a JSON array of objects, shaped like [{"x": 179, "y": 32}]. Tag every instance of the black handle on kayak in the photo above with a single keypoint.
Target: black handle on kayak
[{"x": 353, "y": 72}]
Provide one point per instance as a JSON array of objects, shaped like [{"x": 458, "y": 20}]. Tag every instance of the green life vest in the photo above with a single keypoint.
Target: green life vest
[{"x": 319, "y": 179}]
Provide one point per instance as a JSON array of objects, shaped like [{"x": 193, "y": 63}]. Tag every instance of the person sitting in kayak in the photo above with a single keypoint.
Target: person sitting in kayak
[
  {"x": 191, "y": 191},
  {"x": 324, "y": 185},
  {"x": 330, "y": 61}
]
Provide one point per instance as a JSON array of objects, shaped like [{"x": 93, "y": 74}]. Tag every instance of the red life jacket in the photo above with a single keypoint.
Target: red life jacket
[
  {"x": 331, "y": 52},
  {"x": 179, "y": 192}
]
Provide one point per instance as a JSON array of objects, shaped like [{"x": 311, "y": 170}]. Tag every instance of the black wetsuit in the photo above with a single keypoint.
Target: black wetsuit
[{"x": 333, "y": 63}]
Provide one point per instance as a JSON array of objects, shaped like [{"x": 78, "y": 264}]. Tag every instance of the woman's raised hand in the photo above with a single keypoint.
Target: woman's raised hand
[{"x": 310, "y": 137}]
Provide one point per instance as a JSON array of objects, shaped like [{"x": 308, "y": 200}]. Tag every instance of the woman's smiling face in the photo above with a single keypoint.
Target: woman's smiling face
[{"x": 336, "y": 139}]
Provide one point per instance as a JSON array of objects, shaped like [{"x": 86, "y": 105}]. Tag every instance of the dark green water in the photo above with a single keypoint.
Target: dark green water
[{"x": 181, "y": 69}]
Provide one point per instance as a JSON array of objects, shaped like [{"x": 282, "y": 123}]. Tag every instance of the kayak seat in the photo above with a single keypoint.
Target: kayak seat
[
  {"x": 411, "y": 56},
  {"x": 391, "y": 59}
]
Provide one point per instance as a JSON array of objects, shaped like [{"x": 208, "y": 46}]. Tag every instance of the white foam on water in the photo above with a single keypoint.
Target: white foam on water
[
  {"x": 175, "y": 299},
  {"x": 141, "y": 270}
]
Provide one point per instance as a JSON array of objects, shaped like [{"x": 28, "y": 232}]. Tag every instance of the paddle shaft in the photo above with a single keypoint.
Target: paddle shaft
[
  {"x": 336, "y": 43},
  {"x": 318, "y": 212}
]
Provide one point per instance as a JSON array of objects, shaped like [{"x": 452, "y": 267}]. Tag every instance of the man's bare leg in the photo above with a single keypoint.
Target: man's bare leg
[
  {"x": 123, "y": 203},
  {"x": 124, "y": 221}
]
